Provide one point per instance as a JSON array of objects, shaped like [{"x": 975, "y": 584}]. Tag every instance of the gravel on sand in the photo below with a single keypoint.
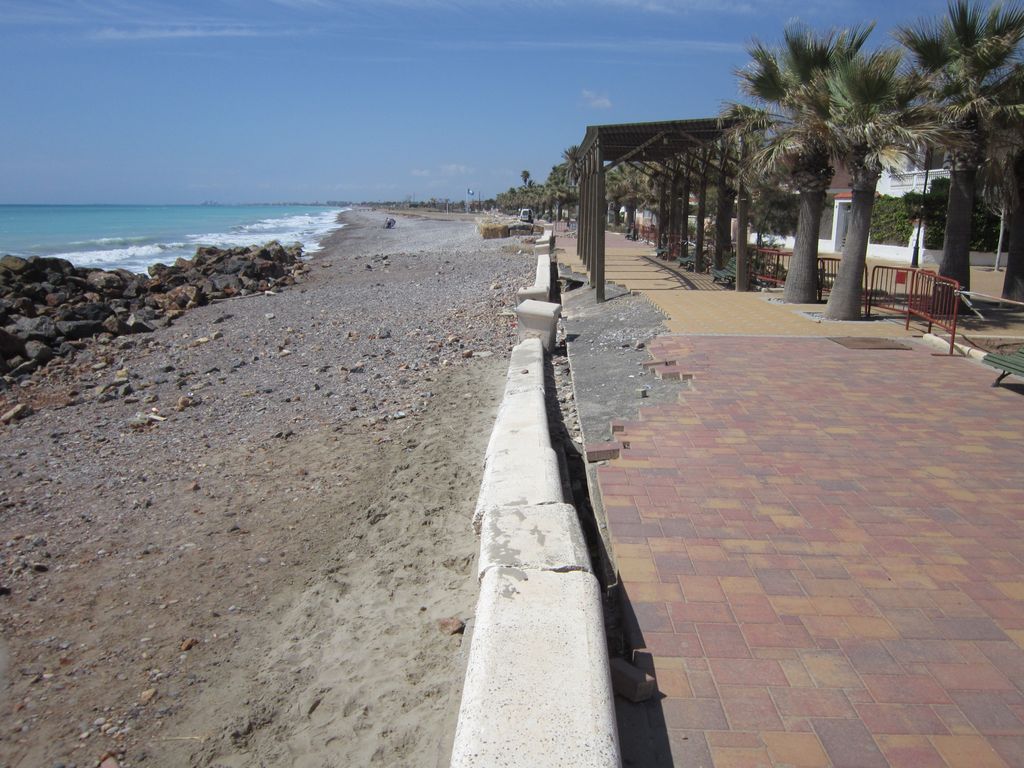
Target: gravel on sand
[{"x": 246, "y": 556}]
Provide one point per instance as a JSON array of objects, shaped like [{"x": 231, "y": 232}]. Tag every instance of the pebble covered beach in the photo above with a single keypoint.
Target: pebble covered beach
[{"x": 250, "y": 555}]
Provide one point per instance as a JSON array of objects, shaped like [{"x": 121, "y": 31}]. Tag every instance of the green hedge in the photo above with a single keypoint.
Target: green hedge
[
  {"x": 890, "y": 224},
  {"x": 984, "y": 224}
]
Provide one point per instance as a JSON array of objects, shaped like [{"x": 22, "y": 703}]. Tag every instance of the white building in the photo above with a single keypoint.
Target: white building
[{"x": 910, "y": 179}]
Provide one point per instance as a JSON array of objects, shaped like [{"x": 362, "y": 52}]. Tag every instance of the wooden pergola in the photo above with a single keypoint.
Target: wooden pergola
[{"x": 660, "y": 145}]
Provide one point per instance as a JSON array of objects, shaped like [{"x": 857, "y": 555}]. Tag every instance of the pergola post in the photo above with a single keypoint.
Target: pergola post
[
  {"x": 684, "y": 201},
  {"x": 675, "y": 212},
  {"x": 582, "y": 219},
  {"x": 663, "y": 223},
  {"x": 591, "y": 217},
  {"x": 599, "y": 204}
]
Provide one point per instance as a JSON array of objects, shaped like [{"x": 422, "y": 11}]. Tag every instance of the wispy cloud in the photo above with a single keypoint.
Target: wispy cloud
[
  {"x": 648, "y": 6},
  {"x": 668, "y": 46},
  {"x": 596, "y": 100},
  {"x": 454, "y": 169},
  {"x": 421, "y": 172},
  {"x": 182, "y": 32},
  {"x": 120, "y": 20}
]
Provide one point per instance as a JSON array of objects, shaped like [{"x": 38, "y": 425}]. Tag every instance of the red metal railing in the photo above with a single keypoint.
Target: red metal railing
[
  {"x": 770, "y": 265},
  {"x": 935, "y": 300},
  {"x": 888, "y": 289},
  {"x": 828, "y": 270},
  {"x": 917, "y": 293}
]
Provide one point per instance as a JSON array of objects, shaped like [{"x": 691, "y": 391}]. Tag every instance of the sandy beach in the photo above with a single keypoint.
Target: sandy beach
[{"x": 257, "y": 576}]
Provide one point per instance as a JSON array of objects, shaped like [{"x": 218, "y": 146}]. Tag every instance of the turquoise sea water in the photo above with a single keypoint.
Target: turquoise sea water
[{"x": 134, "y": 236}]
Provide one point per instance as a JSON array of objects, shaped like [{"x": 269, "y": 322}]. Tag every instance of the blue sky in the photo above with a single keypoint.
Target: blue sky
[{"x": 136, "y": 101}]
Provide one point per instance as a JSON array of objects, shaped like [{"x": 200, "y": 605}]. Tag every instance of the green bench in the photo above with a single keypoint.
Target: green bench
[
  {"x": 1012, "y": 364},
  {"x": 726, "y": 275},
  {"x": 688, "y": 262}
]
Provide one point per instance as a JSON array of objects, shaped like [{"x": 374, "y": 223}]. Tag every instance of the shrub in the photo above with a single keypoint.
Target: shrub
[
  {"x": 984, "y": 224},
  {"x": 890, "y": 223}
]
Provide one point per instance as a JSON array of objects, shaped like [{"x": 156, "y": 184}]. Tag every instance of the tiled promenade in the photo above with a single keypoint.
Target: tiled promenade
[{"x": 823, "y": 549}]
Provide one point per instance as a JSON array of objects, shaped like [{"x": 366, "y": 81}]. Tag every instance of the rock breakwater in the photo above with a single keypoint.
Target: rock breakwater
[{"x": 48, "y": 306}]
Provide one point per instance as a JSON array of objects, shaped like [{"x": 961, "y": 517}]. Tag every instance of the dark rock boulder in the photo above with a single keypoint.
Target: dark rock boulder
[
  {"x": 107, "y": 283},
  {"x": 13, "y": 264},
  {"x": 36, "y": 350},
  {"x": 79, "y": 329},
  {"x": 34, "y": 328},
  {"x": 10, "y": 345}
]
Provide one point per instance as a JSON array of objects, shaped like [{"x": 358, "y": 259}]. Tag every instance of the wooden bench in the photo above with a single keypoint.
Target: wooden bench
[
  {"x": 688, "y": 262},
  {"x": 726, "y": 275},
  {"x": 1012, "y": 364}
]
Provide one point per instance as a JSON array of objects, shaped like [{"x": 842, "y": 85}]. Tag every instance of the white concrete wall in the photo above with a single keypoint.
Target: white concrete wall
[
  {"x": 541, "y": 288},
  {"x": 537, "y": 691}
]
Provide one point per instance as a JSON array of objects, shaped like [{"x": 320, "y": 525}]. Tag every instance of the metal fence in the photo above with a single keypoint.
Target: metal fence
[{"x": 916, "y": 293}]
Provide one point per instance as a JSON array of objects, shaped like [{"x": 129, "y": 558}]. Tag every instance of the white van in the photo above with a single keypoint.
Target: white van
[{"x": 526, "y": 214}]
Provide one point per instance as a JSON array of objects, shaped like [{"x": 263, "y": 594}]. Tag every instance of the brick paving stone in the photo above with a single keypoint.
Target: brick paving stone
[
  {"x": 905, "y": 689},
  {"x": 777, "y": 636},
  {"x": 842, "y": 527},
  {"x": 695, "y": 714},
  {"x": 848, "y": 743},
  {"x": 831, "y": 669},
  {"x": 750, "y": 708},
  {"x": 900, "y": 719},
  {"x": 988, "y": 713},
  {"x": 701, "y": 612},
  {"x": 740, "y": 757},
  {"x": 747, "y": 672},
  {"x": 970, "y": 677},
  {"x": 812, "y": 702},
  {"x": 800, "y": 750},
  {"x": 967, "y": 752},
  {"x": 723, "y": 641},
  {"x": 1010, "y": 748},
  {"x": 910, "y": 752},
  {"x": 689, "y": 748}
]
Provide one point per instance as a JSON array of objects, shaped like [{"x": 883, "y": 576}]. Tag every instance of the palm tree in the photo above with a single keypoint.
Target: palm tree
[
  {"x": 879, "y": 122},
  {"x": 789, "y": 87},
  {"x": 1003, "y": 187},
  {"x": 971, "y": 57},
  {"x": 573, "y": 160},
  {"x": 624, "y": 187},
  {"x": 525, "y": 176},
  {"x": 725, "y": 195},
  {"x": 1013, "y": 283}
]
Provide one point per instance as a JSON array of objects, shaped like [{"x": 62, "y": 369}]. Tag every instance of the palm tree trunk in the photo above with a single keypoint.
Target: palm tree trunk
[
  {"x": 845, "y": 299},
  {"x": 802, "y": 279},
  {"x": 742, "y": 216},
  {"x": 956, "y": 250},
  {"x": 1013, "y": 283}
]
